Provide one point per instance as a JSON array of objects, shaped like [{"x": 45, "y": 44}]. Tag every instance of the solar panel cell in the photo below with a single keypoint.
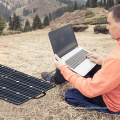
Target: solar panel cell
[{"x": 5, "y": 71}]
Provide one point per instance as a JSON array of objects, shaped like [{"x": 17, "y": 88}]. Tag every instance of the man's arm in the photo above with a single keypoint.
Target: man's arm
[{"x": 105, "y": 80}]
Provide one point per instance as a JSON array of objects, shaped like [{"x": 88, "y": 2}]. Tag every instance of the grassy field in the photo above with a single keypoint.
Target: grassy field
[{"x": 32, "y": 54}]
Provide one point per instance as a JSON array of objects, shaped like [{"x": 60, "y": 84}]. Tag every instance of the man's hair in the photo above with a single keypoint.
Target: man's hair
[{"x": 116, "y": 12}]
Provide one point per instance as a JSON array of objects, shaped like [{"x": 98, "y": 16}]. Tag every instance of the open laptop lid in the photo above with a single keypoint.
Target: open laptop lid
[{"x": 63, "y": 40}]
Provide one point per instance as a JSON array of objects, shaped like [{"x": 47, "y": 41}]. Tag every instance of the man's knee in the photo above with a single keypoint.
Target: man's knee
[
  {"x": 58, "y": 77},
  {"x": 76, "y": 98},
  {"x": 70, "y": 96}
]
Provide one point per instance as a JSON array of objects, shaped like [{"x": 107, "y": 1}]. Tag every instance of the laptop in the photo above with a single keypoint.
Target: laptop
[{"x": 65, "y": 45}]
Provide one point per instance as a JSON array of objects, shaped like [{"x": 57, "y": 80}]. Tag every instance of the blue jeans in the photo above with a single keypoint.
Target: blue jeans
[{"x": 75, "y": 98}]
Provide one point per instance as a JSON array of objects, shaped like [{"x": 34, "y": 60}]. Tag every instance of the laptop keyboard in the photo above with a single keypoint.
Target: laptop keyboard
[{"x": 77, "y": 59}]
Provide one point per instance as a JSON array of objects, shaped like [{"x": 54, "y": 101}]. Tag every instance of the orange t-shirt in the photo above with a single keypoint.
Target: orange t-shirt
[{"x": 105, "y": 82}]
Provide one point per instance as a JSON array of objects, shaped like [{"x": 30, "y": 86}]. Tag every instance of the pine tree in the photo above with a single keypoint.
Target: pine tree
[
  {"x": 17, "y": 23},
  {"x": 75, "y": 6},
  {"x": 46, "y": 21},
  {"x": 6, "y": 8},
  {"x": 26, "y": 12},
  {"x": 71, "y": 8},
  {"x": 14, "y": 24},
  {"x": 34, "y": 10},
  {"x": 14, "y": 21},
  {"x": 104, "y": 2},
  {"x": 101, "y": 2},
  {"x": 50, "y": 17},
  {"x": 2, "y": 23},
  {"x": 93, "y": 3},
  {"x": 88, "y": 3},
  {"x": 27, "y": 26},
  {"x": 10, "y": 23},
  {"x": 5, "y": 11},
  {"x": 117, "y": 1},
  {"x": 37, "y": 24},
  {"x": 109, "y": 4},
  {"x": 79, "y": 6}
]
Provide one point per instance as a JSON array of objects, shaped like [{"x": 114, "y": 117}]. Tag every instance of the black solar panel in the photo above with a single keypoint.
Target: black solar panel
[
  {"x": 17, "y": 87},
  {"x": 5, "y": 71}
]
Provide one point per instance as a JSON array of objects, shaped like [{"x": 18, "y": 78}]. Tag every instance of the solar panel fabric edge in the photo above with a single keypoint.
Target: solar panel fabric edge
[{"x": 17, "y": 93}]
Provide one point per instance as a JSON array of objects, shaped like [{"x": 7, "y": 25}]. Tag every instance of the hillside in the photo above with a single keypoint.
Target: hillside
[
  {"x": 40, "y": 7},
  {"x": 77, "y": 17},
  {"x": 27, "y": 9},
  {"x": 4, "y": 10}
]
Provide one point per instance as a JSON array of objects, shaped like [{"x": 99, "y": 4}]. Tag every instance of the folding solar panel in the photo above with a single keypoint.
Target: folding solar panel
[
  {"x": 17, "y": 87},
  {"x": 5, "y": 71}
]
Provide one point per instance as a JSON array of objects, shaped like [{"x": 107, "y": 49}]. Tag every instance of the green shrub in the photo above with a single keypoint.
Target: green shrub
[
  {"x": 100, "y": 29},
  {"x": 76, "y": 28},
  {"x": 89, "y": 14},
  {"x": 54, "y": 27},
  {"x": 10, "y": 32},
  {"x": 80, "y": 28},
  {"x": 101, "y": 20},
  {"x": 1, "y": 32}
]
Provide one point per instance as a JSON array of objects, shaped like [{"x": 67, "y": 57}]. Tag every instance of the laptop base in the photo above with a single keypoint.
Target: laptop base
[{"x": 93, "y": 71}]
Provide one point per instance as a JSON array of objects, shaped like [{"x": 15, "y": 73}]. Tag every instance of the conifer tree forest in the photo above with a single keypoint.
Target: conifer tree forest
[
  {"x": 14, "y": 23},
  {"x": 4, "y": 11}
]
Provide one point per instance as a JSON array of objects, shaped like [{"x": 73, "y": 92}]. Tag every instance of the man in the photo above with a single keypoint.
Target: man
[{"x": 102, "y": 91}]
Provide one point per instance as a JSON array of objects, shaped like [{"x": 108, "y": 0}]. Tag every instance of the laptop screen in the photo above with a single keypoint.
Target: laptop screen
[{"x": 63, "y": 40}]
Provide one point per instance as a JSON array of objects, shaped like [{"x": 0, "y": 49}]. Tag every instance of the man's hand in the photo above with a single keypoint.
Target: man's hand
[
  {"x": 95, "y": 58},
  {"x": 58, "y": 62}
]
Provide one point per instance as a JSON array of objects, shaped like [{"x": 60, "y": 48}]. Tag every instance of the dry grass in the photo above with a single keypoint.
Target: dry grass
[{"x": 31, "y": 53}]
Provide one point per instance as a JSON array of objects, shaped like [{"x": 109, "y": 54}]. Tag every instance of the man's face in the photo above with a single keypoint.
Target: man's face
[{"x": 113, "y": 26}]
